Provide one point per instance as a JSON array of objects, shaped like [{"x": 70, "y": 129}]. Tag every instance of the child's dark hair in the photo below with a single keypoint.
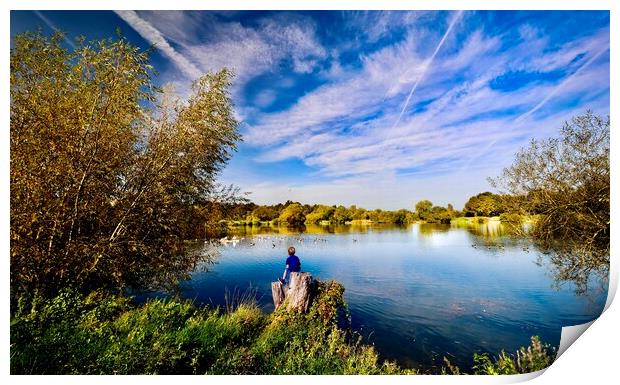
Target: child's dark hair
[{"x": 291, "y": 251}]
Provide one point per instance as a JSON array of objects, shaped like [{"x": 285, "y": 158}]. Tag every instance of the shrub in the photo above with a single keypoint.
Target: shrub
[
  {"x": 97, "y": 152},
  {"x": 511, "y": 218},
  {"x": 535, "y": 357},
  {"x": 106, "y": 334}
]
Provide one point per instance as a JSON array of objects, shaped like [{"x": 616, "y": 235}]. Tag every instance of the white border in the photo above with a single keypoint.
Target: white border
[{"x": 593, "y": 358}]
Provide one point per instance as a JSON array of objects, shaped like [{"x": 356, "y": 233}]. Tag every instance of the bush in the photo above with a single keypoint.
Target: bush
[
  {"x": 105, "y": 334},
  {"x": 565, "y": 181},
  {"x": 511, "y": 218},
  {"x": 293, "y": 215},
  {"x": 97, "y": 152},
  {"x": 536, "y": 357}
]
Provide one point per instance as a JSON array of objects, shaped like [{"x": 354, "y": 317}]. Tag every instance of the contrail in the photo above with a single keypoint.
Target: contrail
[
  {"x": 49, "y": 23},
  {"x": 153, "y": 36},
  {"x": 541, "y": 103},
  {"x": 427, "y": 65},
  {"x": 560, "y": 86}
]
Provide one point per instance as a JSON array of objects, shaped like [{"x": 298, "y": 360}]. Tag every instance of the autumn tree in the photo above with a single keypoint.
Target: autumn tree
[
  {"x": 320, "y": 213},
  {"x": 293, "y": 214},
  {"x": 423, "y": 208},
  {"x": 358, "y": 213},
  {"x": 342, "y": 215},
  {"x": 104, "y": 166},
  {"x": 485, "y": 204},
  {"x": 566, "y": 181}
]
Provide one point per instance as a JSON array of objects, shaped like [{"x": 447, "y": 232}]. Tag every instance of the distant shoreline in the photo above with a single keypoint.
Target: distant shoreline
[{"x": 369, "y": 222}]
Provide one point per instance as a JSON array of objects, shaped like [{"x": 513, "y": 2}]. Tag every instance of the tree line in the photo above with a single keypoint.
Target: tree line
[{"x": 295, "y": 213}]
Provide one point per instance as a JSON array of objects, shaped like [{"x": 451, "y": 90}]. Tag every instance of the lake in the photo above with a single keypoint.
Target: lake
[{"x": 418, "y": 292}]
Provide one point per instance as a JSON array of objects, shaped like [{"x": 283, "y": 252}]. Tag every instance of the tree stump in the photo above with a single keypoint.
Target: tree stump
[
  {"x": 297, "y": 295},
  {"x": 277, "y": 292}
]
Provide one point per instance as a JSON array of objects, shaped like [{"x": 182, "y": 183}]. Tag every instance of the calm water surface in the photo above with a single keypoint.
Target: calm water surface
[{"x": 418, "y": 293}]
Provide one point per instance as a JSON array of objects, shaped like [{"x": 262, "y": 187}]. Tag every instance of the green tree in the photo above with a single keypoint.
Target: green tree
[
  {"x": 320, "y": 213},
  {"x": 401, "y": 217},
  {"x": 566, "y": 181},
  {"x": 485, "y": 204},
  {"x": 265, "y": 213},
  {"x": 341, "y": 215},
  {"x": 293, "y": 214},
  {"x": 439, "y": 214},
  {"x": 423, "y": 208},
  {"x": 358, "y": 213},
  {"x": 104, "y": 166}
]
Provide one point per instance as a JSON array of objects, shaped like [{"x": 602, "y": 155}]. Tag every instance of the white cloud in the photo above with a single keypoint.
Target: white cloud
[
  {"x": 155, "y": 37},
  {"x": 353, "y": 95},
  {"x": 265, "y": 98},
  {"x": 461, "y": 127},
  {"x": 53, "y": 26},
  {"x": 563, "y": 83},
  {"x": 213, "y": 43},
  {"x": 427, "y": 64},
  {"x": 371, "y": 26},
  {"x": 423, "y": 105}
]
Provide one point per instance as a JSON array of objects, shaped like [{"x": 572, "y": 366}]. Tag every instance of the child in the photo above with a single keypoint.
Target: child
[{"x": 293, "y": 264}]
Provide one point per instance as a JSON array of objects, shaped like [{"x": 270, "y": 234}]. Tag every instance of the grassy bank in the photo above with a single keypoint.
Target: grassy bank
[
  {"x": 510, "y": 218},
  {"x": 102, "y": 334},
  {"x": 466, "y": 221},
  {"x": 106, "y": 334}
]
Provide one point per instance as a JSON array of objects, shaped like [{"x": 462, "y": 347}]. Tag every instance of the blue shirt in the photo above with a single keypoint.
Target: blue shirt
[{"x": 294, "y": 264}]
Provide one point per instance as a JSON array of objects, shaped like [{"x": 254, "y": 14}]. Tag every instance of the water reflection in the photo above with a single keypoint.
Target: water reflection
[
  {"x": 585, "y": 273},
  {"x": 316, "y": 229},
  {"x": 417, "y": 292},
  {"x": 429, "y": 229},
  {"x": 489, "y": 228}
]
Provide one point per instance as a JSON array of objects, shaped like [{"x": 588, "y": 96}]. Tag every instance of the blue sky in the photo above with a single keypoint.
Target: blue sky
[{"x": 378, "y": 109}]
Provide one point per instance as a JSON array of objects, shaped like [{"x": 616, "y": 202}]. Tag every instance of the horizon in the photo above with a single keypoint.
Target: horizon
[{"x": 378, "y": 109}]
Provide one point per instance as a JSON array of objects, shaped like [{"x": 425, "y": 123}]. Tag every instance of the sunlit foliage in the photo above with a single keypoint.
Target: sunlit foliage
[
  {"x": 423, "y": 208},
  {"x": 485, "y": 204},
  {"x": 292, "y": 215},
  {"x": 566, "y": 182},
  {"x": 104, "y": 166},
  {"x": 426, "y": 211},
  {"x": 103, "y": 334},
  {"x": 320, "y": 213}
]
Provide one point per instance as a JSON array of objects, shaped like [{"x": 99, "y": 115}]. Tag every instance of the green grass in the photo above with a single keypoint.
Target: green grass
[
  {"x": 468, "y": 221},
  {"x": 106, "y": 334},
  {"x": 511, "y": 218},
  {"x": 535, "y": 357}
]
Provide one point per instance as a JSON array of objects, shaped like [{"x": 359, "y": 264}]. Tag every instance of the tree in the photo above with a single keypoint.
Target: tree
[
  {"x": 265, "y": 213},
  {"x": 320, "y": 213},
  {"x": 341, "y": 215},
  {"x": 401, "y": 217},
  {"x": 423, "y": 208},
  {"x": 565, "y": 181},
  {"x": 104, "y": 166},
  {"x": 293, "y": 214},
  {"x": 485, "y": 204},
  {"x": 358, "y": 213},
  {"x": 439, "y": 214}
]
